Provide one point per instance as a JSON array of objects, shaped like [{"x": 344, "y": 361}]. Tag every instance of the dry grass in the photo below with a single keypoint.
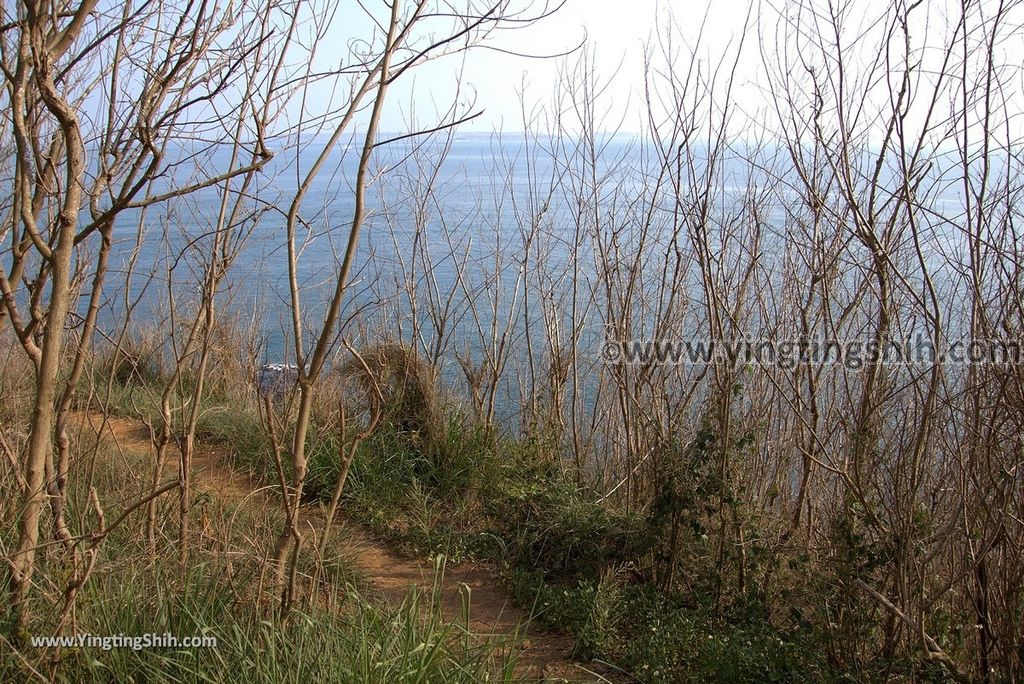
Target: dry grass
[
  {"x": 15, "y": 382},
  {"x": 393, "y": 379},
  {"x": 16, "y": 392}
]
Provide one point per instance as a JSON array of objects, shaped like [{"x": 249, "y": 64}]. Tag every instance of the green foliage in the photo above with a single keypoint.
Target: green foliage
[
  {"x": 643, "y": 589},
  {"x": 570, "y": 558},
  {"x": 550, "y": 523},
  {"x": 662, "y": 640}
]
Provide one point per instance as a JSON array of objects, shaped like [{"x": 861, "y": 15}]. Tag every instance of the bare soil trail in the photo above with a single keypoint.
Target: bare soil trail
[{"x": 543, "y": 655}]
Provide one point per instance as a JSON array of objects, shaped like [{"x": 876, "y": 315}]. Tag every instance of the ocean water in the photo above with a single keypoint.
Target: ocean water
[{"x": 509, "y": 238}]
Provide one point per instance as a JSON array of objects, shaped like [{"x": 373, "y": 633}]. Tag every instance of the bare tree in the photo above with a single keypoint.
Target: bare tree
[
  {"x": 407, "y": 35},
  {"x": 103, "y": 104}
]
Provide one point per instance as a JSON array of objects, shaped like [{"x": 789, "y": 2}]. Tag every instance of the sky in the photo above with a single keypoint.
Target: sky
[{"x": 616, "y": 34}]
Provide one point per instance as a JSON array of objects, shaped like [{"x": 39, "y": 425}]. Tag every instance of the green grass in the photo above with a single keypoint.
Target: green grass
[
  {"x": 574, "y": 562},
  {"x": 564, "y": 556},
  {"x": 334, "y": 635},
  {"x": 362, "y": 643}
]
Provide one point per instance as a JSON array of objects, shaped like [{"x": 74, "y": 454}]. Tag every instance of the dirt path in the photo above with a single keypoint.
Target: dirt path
[{"x": 544, "y": 656}]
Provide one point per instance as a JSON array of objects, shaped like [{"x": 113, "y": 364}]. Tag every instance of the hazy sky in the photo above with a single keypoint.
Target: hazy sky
[{"x": 616, "y": 32}]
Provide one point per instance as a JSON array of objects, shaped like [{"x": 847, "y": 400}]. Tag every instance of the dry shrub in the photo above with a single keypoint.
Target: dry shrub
[
  {"x": 401, "y": 384},
  {"x": 137, "y": 360},
  {"x": 233, "y": 353}
]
